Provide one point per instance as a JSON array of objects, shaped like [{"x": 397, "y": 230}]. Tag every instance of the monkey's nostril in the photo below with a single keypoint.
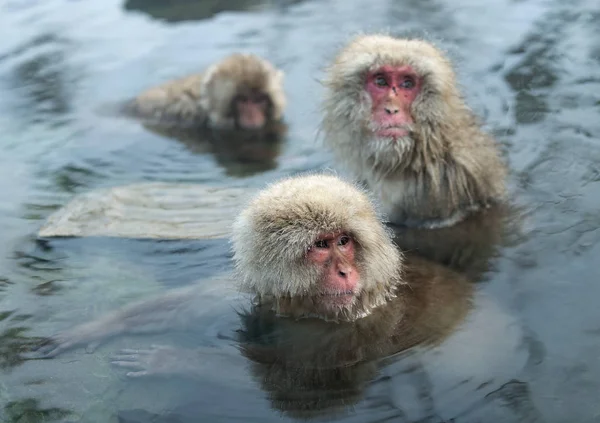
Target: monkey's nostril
[{"x": 342, "y": 274}]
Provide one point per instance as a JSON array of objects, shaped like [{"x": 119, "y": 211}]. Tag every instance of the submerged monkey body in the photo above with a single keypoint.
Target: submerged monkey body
[
  {"x": 416, "y": 309},
  {"x": 288, "y": 245},
  {"x": 416, "y": 144},
  {"x": 313, "y": 250},
  {"x": 329, "y": 364},
  {"x": 242, "y": 90}
]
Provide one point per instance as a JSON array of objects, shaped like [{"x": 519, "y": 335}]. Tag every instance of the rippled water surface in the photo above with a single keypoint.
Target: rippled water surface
[{"x": 531, "y": 70}]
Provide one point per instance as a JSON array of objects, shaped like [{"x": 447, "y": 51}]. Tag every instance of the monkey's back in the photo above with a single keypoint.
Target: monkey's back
[{"x": 171, "y": 103}]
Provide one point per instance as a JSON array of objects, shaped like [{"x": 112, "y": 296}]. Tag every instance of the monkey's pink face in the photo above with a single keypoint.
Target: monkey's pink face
[
  {"x": 335, "y": 255},
  {"x": 251, "y": 111},
  {"x": 392, "y": 90}
]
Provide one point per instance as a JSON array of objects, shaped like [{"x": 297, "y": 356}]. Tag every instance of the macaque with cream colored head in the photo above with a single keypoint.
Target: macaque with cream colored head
[
  {"x": 313, "y": 251},
  {"x": 241, "y": 91},
  {"x": 310, "y": 246},
  {"x": 394, "y": 115},
  {"x": 315, "y": 246}
]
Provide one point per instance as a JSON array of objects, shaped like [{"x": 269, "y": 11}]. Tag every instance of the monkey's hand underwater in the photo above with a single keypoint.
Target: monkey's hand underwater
[
  {"x": 175, "y": 309},
  {"x": 158, "y": 360},
  {"x": 90, "y": 334}
]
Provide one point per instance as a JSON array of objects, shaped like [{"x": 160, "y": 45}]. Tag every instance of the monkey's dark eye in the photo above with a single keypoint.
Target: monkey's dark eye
[
  {"x": 408, "y": 83},
  {"x": 321, "y": 243},
  {"x": 344, "y": 240},
  {"x": 380, "y": 81}
]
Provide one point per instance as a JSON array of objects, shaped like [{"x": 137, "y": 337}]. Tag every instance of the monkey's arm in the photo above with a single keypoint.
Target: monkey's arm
[{"x": 175, "y": 309}]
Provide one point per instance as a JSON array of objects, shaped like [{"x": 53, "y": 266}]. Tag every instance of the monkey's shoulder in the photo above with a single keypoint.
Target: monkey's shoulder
[{"x": 477, "y": 152}]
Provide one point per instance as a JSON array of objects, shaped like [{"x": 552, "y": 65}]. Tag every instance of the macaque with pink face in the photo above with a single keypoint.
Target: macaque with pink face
[
  {"x": 392, "y": 91},
  {"x": 334, "y": 300},
  {"x": 393, "y": 114},
  {"x": 306, "y": 247},
  {"x": 313, "y": 246}
]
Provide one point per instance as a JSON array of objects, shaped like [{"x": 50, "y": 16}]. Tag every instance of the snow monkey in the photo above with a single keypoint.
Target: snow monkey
[
  {"x": 241, "y": 91},
  {"x": 394, "y": 115},
  {"x": 334, "y": 302},
  {"x": 313, "y": 252}
]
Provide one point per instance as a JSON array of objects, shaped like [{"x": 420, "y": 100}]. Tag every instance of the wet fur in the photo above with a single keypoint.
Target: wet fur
[
  {"x": 446, "y": 169},
  {"x": 205, "y": 99}
]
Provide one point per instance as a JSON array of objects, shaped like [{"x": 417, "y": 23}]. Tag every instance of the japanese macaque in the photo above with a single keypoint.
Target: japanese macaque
[
  {"x": 334, "y": 302},
  {"x": 241, "y": 91},
  {"x": 314, "y": 246},
  {"x": 308, "y": 247},
  {"x": 394, "y": 115}
]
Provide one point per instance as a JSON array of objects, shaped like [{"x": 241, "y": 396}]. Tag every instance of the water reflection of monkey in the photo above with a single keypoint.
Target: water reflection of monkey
[
  {"x": 312, "y": 367},
  {"x": 469, "y": 246},
  {"x": 240, "y": 152},
  {"x": 313, "y": 247}
]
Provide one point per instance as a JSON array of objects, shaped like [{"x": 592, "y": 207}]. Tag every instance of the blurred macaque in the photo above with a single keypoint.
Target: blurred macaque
[
  {"x": 394, "y": 115},
  {"x": 241, "y": 91}
]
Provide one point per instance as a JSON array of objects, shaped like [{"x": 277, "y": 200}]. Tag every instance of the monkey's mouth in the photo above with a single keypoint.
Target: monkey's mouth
[
  {"x": 393, "y": 132},
  {"x": 338, "y": 297}
]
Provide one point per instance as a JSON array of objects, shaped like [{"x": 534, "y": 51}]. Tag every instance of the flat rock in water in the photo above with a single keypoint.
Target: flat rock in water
[{"x": 150, "y": 210}]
